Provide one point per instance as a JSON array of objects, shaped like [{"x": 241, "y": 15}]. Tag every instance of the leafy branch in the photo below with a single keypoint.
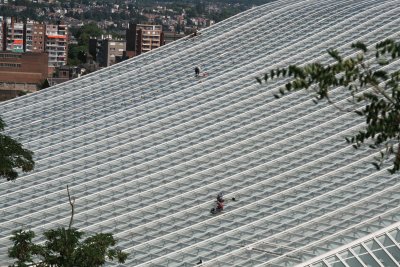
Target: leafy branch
[
  {"x": 368, "y": 81},
  {"x": 13, "y": 156},
  {"x": 63, "y": 247}
]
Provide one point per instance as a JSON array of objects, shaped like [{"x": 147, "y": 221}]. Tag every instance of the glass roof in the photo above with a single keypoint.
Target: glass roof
[
  {"x": 379, "y": 249},
  {"x": 145, "y": 147}
]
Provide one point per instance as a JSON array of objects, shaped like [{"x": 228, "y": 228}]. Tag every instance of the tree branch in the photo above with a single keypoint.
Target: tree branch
[
  {"x": 382, "y": 92},
  {"x": 71, "y": 202}
]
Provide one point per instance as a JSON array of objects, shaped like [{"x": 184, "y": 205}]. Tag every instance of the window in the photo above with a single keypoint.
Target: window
[
  {"x": 10, "y": 56},
  {"x": 9, "y": 65}
]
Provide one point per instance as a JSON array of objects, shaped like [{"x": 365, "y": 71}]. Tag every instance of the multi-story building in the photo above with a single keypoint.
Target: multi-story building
[
  {"x": 142, "y": 38},
  {"x": 106, "y": 50},
  {"x": 57, "y": 44},
  {"x": 131, "y": 40},
  {"x": 14, "y": 35},
  {"x": 169, "y": 37},
  {"x": 34, "y": 36},
  {"x": 2, "y": 34},
  {"x": 21, "y": 72},
  {"x": 149, "y": 37}
]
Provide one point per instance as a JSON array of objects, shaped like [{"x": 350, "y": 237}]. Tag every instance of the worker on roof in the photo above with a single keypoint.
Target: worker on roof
[
  {"x": 197, "y": 71},
  {"x": 220, "y": 201}
]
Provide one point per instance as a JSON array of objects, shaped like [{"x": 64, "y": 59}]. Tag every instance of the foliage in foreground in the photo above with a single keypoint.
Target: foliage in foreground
[
  {"x": 13, "y": 156},
  {"x": 64, "y": 248},
  {"x": 369, "y": 81}
]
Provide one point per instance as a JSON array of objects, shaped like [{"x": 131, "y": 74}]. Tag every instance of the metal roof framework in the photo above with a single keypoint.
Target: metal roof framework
[
  {"x": 145, "y": 147},
  {"x": 380, "y": 249}
]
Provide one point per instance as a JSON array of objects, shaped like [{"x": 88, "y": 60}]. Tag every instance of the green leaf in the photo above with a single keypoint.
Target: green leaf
[
  {"x": 383, "y": 62},
  {"x": 376, "y": 165},
  {"x": 381, "y": 74},
  {"x": 359, "y": 45},
  {"x": 335, "y": 54}
]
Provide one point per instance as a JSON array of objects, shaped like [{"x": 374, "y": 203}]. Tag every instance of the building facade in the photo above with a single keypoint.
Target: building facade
[
  {"x": 106, "y": 51},
  {"x": 21, "y": 72},
  {"x": 131, "y": 40},
  {"x": 2, "y": 33},
  {"x": 57, "y": 44},
  {"x": 35, "y": 34},
  {"x": 32, "y": 36},
  {"x": 142, "y": 38},
  {"x": 14, "y": 35},
  {"x": 148, "y": 37},
  {"x": 170, "y": 37}
]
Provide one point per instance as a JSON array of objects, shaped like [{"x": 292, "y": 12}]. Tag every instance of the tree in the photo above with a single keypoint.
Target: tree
[
  {"x": 86, "y": 31},
  {"x": 77, "y": 52},
  {"x": 64, "y": 248},
  {"x": 369, "y": 82},
  {"x": 13, "y": 156}
]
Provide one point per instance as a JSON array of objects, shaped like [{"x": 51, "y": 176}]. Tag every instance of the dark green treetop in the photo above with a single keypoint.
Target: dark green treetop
[
  {"x": 13, "y": 156},
  {"x": 63, "y": 247}
]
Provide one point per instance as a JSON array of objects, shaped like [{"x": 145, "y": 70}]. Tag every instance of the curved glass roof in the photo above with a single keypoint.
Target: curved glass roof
[
  {"x": 381, "y": 249},
  {"x": 145, "y": 146}
]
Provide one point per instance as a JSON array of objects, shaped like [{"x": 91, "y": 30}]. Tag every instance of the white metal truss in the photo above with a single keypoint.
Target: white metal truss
[{"x": 381, "y": 248}]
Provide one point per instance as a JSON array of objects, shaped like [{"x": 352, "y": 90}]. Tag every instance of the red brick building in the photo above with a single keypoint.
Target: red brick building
[
  {"x": 35, "y": 34},
  {"x": 22, "y": 72}
]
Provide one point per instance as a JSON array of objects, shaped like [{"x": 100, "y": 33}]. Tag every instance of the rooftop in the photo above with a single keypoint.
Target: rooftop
[{"x": 145, "y": 147}]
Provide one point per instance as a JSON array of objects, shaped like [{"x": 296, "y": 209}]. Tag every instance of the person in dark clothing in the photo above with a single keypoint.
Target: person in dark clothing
[
  {"x": 220, "y": 201},
  {"x": 197, "y": 71}
]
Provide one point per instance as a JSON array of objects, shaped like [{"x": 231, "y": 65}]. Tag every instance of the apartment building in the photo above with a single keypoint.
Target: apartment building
[
  {"x": 106, "y": 50},
  {"x": 149, "y": 37},
  {"x": 2, "y": 34},
  {"x": 35, "y": 34},
  {"x": 142, "y": 38},
  {"x": 32, "y": 36},
  {"x": 57, "y": 44},
  {"x": 14, "y": 35}
]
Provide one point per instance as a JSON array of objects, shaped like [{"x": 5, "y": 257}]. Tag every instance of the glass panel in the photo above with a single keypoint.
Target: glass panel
[
  {"x": 334, "y": 261},
  {"x": 372, "y": 245},
  {"x": 319, "y": 264},
  {"x": 385, "y": 240},
  {"x": 338, "y": 264},
  {"x": 390, "y": 246},
  {"x": 395, "y": 252},
  {"x": 346, "y": 254},
  {"x": 395, "y": 234},
  {"x": 359, "y": 250},
  {"x": 384, "y": 258},
  {"x": 368, "y": 260},
  {"x": 363, "y": 254},
  {"x": 353, "y": 262}
]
